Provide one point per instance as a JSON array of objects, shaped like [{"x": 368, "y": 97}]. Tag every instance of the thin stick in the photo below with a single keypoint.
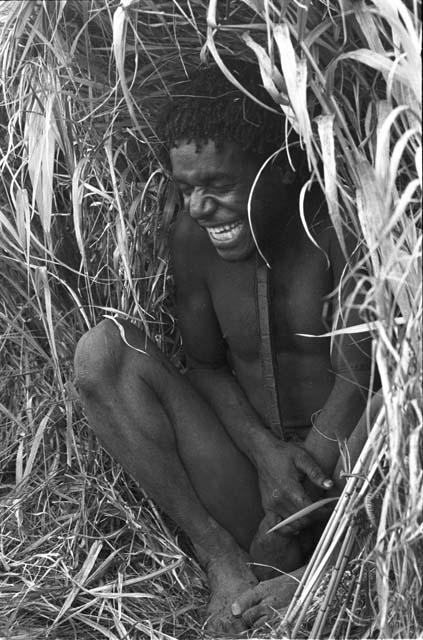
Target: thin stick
[{"x": 337, "y": 571}]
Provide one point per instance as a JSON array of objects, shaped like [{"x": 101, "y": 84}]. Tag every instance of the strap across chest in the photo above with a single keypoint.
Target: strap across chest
[{"x": 266, "y": 347}]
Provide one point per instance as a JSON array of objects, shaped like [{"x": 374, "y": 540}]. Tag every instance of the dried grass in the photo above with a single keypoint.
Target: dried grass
[{"x": 84, "y": 217}]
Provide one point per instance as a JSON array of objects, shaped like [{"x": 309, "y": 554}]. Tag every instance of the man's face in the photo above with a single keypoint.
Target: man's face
[{"x": 215, "y": 185}]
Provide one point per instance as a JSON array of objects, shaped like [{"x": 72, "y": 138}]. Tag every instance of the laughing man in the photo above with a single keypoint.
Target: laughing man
[{"x": 249, "y": 435}]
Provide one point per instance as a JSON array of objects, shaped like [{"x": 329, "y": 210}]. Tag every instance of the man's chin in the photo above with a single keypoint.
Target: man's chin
[{"x": 240, "y": 251}]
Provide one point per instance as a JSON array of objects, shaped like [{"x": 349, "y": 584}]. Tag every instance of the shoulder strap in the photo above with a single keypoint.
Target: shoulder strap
[{"x": 266, "y": 351}]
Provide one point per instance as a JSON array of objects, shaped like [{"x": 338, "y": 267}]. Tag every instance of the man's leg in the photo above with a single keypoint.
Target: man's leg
[{"x": 157, "y": 426}]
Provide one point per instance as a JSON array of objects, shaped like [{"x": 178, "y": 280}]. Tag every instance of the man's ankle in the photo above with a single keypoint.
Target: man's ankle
[{"x": 215, "y": 545}]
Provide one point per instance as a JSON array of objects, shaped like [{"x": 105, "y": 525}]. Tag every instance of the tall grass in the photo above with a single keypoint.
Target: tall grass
[{"x": 85, "y": 211}]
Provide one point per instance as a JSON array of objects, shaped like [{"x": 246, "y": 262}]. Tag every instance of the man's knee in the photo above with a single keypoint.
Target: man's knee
[{"x": 98, "y": 357}]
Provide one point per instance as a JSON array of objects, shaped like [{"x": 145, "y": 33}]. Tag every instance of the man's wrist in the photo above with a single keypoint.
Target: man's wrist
[
  {"x": 324, "y": 452},
  {"x": 261, "y": 439}
]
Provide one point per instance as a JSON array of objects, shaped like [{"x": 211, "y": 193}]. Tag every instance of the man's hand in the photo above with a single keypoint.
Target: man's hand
[{"x": 282, "y": 468}]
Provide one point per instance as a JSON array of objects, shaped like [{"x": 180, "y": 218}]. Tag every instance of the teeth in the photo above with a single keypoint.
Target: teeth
[{"x": 225, "y": 232}]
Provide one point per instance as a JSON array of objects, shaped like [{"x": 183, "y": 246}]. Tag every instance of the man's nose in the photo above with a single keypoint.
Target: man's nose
[{"x": 200, "y": 204}]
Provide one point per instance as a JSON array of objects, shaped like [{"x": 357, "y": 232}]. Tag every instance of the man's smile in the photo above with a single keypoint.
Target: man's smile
[{"x": 225, "y": 232}]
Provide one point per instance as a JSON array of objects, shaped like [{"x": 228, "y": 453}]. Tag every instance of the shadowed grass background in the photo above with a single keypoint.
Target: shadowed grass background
[{"x": 85, "y": 210}]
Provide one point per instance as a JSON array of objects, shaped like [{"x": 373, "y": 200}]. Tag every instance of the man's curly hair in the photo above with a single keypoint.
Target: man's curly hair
[{"x": 209, "y": 107}]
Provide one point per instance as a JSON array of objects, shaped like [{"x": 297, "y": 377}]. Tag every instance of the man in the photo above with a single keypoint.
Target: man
[{"x": 227, "y": 450}]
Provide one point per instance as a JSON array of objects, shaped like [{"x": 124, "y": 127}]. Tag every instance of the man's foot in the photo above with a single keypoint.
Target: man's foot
[
  {"x": 229, "y": 576},
  {"x": 265, "y": 602}
]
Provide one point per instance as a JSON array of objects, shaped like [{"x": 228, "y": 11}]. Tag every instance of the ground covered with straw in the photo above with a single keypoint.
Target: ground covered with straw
[{"x": 85, "y": 212}]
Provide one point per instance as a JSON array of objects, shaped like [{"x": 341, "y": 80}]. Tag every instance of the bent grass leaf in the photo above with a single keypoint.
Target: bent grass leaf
[
  {"x": 394, "y": 69},
  {"x": 81, "y": 578},
  {"x": 374, "y": 217},
  {"x": 23, "y": 219},
  {"x": 78, "y": 188},
  {"x": 358, "y": 328},
  {"x": 397, "y": 157},
  {"x": 39, "y": 434},
  {"x": 249, "y": 207},
  {"x": 273, "y": 81},
  {"x": 304, "y": 221},
  {"x": 302, "y": 513},
  {"x": 120, "y": 26},
  {"x": 295, "y": 75},
  {"x": 405, "y": 36},
  {"x": 40, "y": 134},
  {"x": 122, "y": 333},
  {"x": 42, "y": 288},
  {"x": 368, "y": 27},
  {"x": 386, "y": 117},
  {"x": 217, "y": 58},
  {"x": 327, "y": 142}
]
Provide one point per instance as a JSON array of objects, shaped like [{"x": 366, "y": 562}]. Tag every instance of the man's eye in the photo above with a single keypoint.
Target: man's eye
[{"x": 223, "y": 186}]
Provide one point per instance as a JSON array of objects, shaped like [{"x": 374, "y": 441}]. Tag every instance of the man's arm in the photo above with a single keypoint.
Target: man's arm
[{"x": 351, "y": 364}]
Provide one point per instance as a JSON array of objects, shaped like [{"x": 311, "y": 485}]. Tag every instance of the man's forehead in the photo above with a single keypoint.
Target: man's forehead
[
  {"x": 207, "y": 156},
  {"x": 203, "y": 171}
]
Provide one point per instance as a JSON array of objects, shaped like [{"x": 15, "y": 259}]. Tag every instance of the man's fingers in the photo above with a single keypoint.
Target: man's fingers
[
  {"x": 224, "y": 623},
  {"x": 299, "y": 499},
  {"x": 312, "y": 470},
  {"x": 296, "y": 498}
]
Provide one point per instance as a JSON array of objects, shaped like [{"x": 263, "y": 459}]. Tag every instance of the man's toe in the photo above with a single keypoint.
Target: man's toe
[
  {"x": 225, "y": 625},
  {"x": 245, "y": 601}
]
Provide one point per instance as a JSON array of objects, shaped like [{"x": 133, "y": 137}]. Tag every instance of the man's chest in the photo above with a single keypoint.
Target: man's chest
[{"x": 297, "y": 286}]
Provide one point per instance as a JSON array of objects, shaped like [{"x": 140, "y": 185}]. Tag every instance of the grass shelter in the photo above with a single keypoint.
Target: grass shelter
[{"x": 85, "y": 212}]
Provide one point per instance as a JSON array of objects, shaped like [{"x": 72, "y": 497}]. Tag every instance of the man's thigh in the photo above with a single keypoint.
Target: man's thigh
[{"x": 222, "y": 476}]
